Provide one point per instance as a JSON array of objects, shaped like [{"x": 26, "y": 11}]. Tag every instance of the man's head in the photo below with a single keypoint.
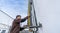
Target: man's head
[{"x": 18, "y": 17}]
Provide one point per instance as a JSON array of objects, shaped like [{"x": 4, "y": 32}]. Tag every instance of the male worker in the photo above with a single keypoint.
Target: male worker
[{"x": 16, "y": 24}]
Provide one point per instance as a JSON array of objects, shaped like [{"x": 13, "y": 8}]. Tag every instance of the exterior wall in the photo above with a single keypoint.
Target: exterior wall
[
  {"x": 5, "y": 22},
  {"x": 4, "y": 28},
  {"x": 48, "y": 13}
]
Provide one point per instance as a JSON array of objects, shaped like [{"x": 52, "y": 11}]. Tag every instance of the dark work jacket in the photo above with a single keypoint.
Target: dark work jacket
[{"x": 16, "y": 26}]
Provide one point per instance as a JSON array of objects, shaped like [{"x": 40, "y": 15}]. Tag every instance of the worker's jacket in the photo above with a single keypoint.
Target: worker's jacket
[{"x": 16, "y": 25}]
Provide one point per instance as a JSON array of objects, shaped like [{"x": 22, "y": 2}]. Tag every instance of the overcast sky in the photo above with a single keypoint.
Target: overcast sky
[{"x": 14, "y": 7}]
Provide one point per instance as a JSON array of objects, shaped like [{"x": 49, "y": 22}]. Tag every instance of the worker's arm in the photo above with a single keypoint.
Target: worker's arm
[
  {"x": 21, "y": 29},
  {"x": 24, "y": 19}
]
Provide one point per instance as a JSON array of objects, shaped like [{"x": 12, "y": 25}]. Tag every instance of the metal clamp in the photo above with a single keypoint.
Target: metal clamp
[
  {"x": 40, "y": 25},
  {"x": 36, "y": 27}
]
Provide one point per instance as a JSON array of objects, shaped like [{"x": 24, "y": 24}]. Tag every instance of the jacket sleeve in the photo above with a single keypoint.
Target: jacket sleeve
[
  {"x": 22, "y": 20},
  {"x": 21, "y": 29}
]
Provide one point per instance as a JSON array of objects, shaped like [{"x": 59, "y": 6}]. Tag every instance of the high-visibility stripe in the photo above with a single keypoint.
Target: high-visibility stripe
[{"x": 28, "y": 13}]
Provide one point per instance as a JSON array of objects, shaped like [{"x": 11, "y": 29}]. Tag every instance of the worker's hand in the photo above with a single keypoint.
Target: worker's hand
[
  {"x": 25, "y": 26},
  {"x": 28, "y": 17}
]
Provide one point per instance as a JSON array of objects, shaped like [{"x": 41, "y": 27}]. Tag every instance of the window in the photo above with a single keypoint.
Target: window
[{"x": 3, "y": 31}]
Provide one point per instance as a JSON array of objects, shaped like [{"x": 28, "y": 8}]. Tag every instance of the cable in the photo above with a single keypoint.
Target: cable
[{"x": 6, "y": 14}]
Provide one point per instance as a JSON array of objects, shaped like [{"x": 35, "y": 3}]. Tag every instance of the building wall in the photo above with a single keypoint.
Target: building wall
[
  {"x": 5, "y": 22},
  {"x": 48, "y": 13},
  {"x": 4, "y": 28}
]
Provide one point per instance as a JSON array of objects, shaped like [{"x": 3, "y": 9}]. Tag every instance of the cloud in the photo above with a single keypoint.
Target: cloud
[{"x": 14, "y": 7}]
